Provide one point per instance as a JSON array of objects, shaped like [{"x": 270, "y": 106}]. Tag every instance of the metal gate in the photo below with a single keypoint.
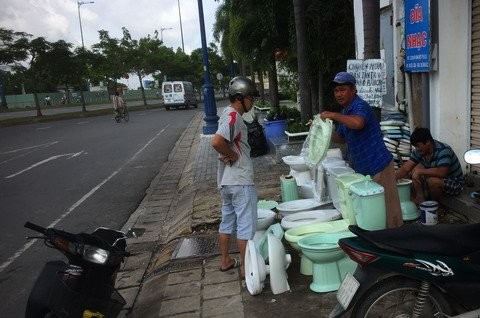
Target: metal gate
[{"x": 475, "y": 106}]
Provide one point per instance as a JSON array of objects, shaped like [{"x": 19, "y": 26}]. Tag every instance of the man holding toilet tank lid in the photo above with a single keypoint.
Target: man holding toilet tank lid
[
  {"x": 360, "y": 130},
  {"x": 235, "y": 173},
  {"x": 434, "y": 168}
]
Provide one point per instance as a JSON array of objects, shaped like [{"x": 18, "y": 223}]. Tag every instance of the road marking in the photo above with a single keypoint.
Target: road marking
[
  {"x": 42, "y": 128},
  {"x": 83, "y": 122},
  {"x": 27, "y": 148},
  {"x": 19, "y": 252},
  {"x": 71, "y": 155}
]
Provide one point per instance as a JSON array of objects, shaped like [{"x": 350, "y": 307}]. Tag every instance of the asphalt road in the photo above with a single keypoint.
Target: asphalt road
[{"x": 77, "y": 175}]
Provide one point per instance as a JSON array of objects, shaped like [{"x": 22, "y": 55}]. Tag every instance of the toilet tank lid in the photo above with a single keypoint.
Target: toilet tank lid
[
  {"x": 339, "y": 170},
  {"x": 366, "y": 187}
]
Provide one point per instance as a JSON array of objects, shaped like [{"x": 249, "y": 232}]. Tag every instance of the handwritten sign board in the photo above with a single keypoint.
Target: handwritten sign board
[
  {"x": 417, "y": 35},
  {"x": 371, "y": 79}
]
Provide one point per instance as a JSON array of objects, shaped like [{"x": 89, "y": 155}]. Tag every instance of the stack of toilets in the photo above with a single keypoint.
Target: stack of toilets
[
  {"x": 331, "y": 196},
  {"x": 313, "y": 230},
  {"x": 265, "y": 254}
]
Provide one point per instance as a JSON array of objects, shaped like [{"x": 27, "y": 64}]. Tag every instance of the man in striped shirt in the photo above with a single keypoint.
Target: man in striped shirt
[{"x": 433, "y": 166}]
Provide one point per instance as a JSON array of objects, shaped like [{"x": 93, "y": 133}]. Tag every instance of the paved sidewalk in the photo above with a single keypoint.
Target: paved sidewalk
[{"x": 182, "y": 205}]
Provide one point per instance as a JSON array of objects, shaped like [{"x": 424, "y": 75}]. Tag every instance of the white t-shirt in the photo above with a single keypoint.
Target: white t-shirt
[{"x": 241, "y": 171}]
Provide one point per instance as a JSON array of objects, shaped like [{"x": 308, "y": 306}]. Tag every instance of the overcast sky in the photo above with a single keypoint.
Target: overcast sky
[{"x": 58, "y": 19}]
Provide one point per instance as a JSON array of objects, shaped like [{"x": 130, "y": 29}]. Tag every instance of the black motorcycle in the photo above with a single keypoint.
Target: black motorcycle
[{"x": 85, "y": 286}]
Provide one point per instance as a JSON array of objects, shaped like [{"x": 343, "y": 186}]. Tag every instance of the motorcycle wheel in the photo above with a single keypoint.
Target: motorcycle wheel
[
  {"x": 395, "y": 298},
  {"x": 126, "y": 117}
]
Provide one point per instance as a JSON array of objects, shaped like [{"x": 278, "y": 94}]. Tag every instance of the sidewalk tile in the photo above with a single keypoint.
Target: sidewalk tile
[
  {"x": 221, "y": 306},
  {"x": 194, "y": 275},
  {"x": 221, "y": 290},
  {"x": 179, "y": 306}
]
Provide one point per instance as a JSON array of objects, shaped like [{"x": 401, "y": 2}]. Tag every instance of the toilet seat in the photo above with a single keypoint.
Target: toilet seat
[
  {"x": 256, "y": 270},
  {"x": 309, "y": 217}
]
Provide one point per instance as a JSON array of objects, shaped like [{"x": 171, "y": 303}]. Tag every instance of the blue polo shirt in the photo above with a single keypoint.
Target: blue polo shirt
[{"x": 368, "y": 151}]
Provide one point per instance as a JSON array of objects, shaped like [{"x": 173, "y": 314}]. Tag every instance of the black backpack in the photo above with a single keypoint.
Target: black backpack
[{"x": 256, "y": 139}]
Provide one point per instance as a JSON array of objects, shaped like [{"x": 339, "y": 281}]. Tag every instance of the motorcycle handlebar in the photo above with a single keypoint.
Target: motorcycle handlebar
[{"x": 36, "y": 228}]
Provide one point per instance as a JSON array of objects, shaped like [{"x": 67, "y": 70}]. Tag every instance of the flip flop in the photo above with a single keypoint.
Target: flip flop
[{"x": 236, "y": 263}]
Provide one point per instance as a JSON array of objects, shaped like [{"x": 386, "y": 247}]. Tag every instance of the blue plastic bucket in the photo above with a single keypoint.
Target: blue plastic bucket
[
  {"x": 275, "y": 128},
  {"x": 428, "y": 212}
]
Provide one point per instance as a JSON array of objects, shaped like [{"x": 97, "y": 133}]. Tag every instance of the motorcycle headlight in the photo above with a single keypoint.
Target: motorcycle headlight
[{"x": 95, "y": 255}]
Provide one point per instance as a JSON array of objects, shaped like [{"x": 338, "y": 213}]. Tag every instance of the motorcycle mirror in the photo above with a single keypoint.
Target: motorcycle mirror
[{"x": 472, "y": 156}]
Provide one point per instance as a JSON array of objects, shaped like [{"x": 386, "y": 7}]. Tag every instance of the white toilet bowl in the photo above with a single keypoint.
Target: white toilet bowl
[
  {"x": 309, "y": 217},
  {"x": 298, "y": 169},
  {"x": 265, "y": 218},
  {"x": 293, "y": 235},
  {"x": 294, "y": 206},
  {"x": 330, "y": 263}
]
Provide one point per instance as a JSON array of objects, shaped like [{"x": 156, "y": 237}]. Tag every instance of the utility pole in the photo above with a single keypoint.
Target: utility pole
[{"x": 79, "y": 3}]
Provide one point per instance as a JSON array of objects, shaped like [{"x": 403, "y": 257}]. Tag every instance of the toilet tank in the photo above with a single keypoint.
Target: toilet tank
[
  {"x": 343, "y": 183},
  {"x": 368, "y": 199},
  {"x": 332, "y": 173}
]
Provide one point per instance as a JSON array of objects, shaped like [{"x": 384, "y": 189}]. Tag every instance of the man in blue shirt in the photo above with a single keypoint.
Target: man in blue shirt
[
  {"x": 359, "y": 128},
  {"x": 434, "y": 167}
]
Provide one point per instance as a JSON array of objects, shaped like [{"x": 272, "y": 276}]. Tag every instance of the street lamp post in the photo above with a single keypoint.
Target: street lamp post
[
  {"x": 161, "y": 32},
  {"x": 79, "y": 3},
  {"x": 181, "y": 29},
  {"x": 211, "y": 117}
]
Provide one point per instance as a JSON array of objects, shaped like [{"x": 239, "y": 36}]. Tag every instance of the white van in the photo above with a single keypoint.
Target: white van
[{"x": 178, "y": 93}]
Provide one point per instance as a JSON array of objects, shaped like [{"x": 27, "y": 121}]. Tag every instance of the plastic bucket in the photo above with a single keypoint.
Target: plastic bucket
[
  {"x": 275, "y": 128},
  {"x": 428, "y": 212}
]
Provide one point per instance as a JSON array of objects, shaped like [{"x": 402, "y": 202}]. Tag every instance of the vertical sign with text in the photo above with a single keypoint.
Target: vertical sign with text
[
  {"x": 371, "y": 77},
  {"x": 417, "y": 35}
]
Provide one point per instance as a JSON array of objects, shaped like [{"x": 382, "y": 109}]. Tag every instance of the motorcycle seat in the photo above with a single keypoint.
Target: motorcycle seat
[{"x": 444, "y": 239}]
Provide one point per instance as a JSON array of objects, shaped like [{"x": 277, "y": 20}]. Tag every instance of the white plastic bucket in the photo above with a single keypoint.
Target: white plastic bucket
[{"x": 428, "y": 212}]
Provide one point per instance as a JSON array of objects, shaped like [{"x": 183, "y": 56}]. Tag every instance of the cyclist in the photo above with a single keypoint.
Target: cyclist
[{"x": 119, "y": 104}]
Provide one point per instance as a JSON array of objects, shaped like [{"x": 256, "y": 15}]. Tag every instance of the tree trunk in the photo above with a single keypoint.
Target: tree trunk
[
  {"x": 84, "y": 108},
  {"x": 320, "y": 89},
  {"x": 37, "y": 105},
  {"x": 314, "y": 94},
  {"x": 260, "y": 86},
  {"x": 371, "y": 28},
  {"x": 273, "y": 84},
  {"x": 371, "y": 35},
  {"x": 142, "y": 89},
  {"x": 302, "y": 58},
  {"x": 35, "y": 98}
]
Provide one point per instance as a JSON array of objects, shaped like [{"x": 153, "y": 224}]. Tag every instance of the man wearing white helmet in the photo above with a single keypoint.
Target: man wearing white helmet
[{"x": 235, "y": 173}]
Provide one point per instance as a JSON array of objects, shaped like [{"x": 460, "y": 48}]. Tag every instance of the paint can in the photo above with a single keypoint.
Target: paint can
[{"x": 428, "y": 212}]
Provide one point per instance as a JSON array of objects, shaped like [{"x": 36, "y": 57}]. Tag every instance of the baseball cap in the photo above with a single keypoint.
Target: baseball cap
[{"x": 344, "y": 78}]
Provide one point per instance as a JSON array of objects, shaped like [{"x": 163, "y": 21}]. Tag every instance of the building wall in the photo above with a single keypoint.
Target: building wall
[{"x": 450, "y": 84}]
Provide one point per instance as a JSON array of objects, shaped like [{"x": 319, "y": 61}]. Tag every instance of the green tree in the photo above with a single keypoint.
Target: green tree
[
  {"x": 37, "y": 70},
  {"x": 114, "y": 64},
  {"x": 253, "y": 31},
  {"x": 13, "y": 49}
]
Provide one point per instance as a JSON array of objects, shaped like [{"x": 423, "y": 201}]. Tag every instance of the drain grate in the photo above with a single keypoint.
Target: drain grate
[{"x": 200, "y": 246}]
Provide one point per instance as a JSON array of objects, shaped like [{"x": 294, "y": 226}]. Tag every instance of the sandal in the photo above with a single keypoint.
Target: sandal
[{"x": 236, "y": 263}]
